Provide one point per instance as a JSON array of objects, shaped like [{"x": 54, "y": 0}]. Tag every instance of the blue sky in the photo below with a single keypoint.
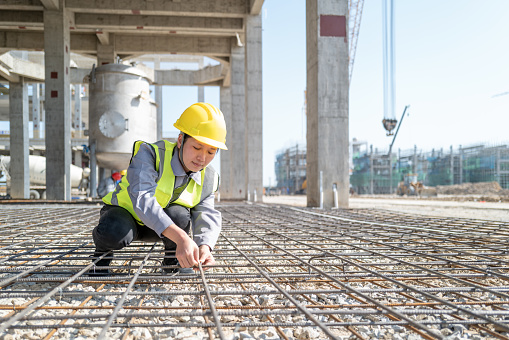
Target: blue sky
[{"x": 451, "y": 59}]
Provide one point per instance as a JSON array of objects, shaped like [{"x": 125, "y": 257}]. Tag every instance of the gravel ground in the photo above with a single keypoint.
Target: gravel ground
[{"x": 443, "y": 206}]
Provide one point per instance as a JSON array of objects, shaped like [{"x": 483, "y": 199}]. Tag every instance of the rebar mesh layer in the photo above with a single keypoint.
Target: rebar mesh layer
[{"x": 281, "y": 273}]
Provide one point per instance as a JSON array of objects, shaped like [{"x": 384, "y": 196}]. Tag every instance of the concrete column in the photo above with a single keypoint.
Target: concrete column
[
  {"x": 201, "y": 94},
  {"x": 36, "y": 110},
  {"x": 237, "y": 131},
  {"x": 201, "y": 89},
  {"x": 158, "y": 95},
  {"x": 18, "y": 117},
  {"x": 106, "y": 53},
  {"x": 327, "y": 101},
  {"x": 93, "y": 169},
  {"x": 77, "y": 157},
  {"x": 254, "y": 108},
  {"x": 42, "y": 131},
  {"x": 77, "y": 111},
  {"x": 225, "y": 98},
  {"x": 58, "y": 115}
]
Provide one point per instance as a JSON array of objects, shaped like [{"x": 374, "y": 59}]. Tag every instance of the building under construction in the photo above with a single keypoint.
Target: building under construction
[
  {"x": 375, "y": 172},
  {"x": 290, "y": 168}
]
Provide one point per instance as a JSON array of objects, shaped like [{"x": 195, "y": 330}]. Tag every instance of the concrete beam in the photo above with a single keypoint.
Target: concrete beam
[
  {"x": 255, "y": 6},
  {"x": 50, "y": 4},
  {"x": 125, "y": 44},
  {"x": 203, "y": 8},
  {"x": 22, "y": 67},
  {"x": 138, "y": 44},
  {"x": 84, "y": 43},
  {"x": 22, "y": 19},
  {"x": 103, "y": 37},
  {"x": 208, "y": 74},
  {"x": 8, "y": 75},
  {"x": 31, "y": 41},
  {"x": 158, "y": 22},
  {"x": 79, "y": 75},
  {"x": 201, "y": 77},
  {"x": 21, "y": 5}
]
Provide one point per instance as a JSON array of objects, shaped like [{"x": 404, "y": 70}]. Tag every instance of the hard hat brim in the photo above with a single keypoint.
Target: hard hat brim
[{"x": 211, "y": 142}]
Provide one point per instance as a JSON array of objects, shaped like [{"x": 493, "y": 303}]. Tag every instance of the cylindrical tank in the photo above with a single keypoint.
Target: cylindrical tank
[{"x": 120, "y": 113}]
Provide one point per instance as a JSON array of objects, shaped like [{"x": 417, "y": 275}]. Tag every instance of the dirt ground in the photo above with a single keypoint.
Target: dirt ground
[{"x": 441, "y": 206}]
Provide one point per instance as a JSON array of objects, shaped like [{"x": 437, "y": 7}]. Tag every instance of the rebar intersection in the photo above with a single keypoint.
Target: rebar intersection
[{"x": 281, "y": 273}]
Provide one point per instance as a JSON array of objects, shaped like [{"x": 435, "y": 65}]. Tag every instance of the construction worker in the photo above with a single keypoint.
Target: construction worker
[
  {"x": 168, "y": 189},
  {"x": 107, "y": 185}
]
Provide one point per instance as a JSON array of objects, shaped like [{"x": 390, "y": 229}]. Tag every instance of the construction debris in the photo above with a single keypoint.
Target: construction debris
[{"x": 482, "y": 188}]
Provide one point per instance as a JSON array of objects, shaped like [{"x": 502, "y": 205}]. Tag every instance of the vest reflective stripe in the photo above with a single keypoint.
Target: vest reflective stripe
[{"x": 191, "y": 196}]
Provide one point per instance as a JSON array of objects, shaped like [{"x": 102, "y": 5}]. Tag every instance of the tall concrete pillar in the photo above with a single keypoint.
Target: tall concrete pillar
[
  {"x": 327, "y": 101},
  {"x": 106, "y": 53},
  {"x": 18, "y": 117},
  {"x": 158, "y": 96},
  {"x": 77, "y": 110},
  {"x": 201, "y": 94},
  {"x": 254, "y": 108},
  {"x": 58, "y": 115},
  {"x": 78, "y": 160},
  {"x": 36, "y": 110},
  {"x": 225, "y": 98},
  {"x": 201, "y": 89},
  {"x": 237, "y": 131}
]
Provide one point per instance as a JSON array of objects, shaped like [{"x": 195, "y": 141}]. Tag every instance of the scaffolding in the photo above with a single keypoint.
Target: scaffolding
[
  {"x": 290, "y": 169},
  {"x": 374, "y": 172}
]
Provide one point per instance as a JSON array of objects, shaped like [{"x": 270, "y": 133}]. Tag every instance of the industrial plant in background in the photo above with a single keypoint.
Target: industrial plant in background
[
  {"x": 408, "y": 172},
  {"x": 120, "y": 111}
]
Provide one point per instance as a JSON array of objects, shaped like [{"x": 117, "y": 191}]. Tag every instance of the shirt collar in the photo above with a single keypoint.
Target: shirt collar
[{"x": 178, "y": 169}]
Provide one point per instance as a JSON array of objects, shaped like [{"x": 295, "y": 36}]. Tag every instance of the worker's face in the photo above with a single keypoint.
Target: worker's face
[{"x": 196, "y": 154}]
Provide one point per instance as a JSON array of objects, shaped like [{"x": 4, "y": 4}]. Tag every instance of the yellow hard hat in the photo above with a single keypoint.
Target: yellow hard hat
[
  {"x": 205, "y": 123},
  {"x": 123, "y": 172}
]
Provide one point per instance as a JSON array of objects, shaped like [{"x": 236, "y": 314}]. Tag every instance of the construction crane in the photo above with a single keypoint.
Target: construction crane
[
  {"x": 389, "y": 122},
  {"x": 354, "y": 23}
]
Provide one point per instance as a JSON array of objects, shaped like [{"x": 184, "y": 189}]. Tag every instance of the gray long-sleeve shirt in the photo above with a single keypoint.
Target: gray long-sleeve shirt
[{"x": 141, "y": 175}]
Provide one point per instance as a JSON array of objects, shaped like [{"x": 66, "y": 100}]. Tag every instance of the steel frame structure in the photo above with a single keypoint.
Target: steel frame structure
[{"x": 281, "y": 272}]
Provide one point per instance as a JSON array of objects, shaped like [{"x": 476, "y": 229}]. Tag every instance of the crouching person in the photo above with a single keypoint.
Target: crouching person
[{"x": 167, "y": 191}]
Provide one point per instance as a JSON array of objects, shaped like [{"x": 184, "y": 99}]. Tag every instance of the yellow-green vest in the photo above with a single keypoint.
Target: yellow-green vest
[{"x": 192, "y": 195}]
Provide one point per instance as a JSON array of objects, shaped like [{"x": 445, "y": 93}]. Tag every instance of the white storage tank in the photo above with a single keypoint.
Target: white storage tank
[{"x": 120, "y": 113}]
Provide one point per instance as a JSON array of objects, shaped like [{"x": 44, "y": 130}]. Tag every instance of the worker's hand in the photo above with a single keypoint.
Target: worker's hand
[
  {"x": 206, "y": 258},
  {"x": 187, "y": 253}
]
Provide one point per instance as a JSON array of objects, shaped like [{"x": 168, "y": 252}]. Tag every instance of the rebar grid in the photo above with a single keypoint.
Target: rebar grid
[{"x": 281, "y": 273}]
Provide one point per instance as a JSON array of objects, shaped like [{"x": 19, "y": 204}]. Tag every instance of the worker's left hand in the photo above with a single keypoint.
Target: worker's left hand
[{"x": 206, "y": 257}]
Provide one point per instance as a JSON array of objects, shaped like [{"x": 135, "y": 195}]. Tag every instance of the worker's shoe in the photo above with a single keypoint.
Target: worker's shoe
[
  {"x": 101, "y": 271},
  {"x": 172, "y": 266}
]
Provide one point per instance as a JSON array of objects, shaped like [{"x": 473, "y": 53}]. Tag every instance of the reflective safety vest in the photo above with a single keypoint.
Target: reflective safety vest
[{"x": 191, "y": 196}]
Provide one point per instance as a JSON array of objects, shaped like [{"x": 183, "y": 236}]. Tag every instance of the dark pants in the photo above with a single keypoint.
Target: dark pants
[{"x": 117, "y": 228}]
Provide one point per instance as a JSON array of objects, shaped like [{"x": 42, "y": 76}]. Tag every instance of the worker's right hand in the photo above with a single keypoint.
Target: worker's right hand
[{"x": 187, "y": 253}]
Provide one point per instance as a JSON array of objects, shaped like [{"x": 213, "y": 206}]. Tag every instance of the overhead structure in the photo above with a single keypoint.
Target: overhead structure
[{"x": 227, "y": 31}]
